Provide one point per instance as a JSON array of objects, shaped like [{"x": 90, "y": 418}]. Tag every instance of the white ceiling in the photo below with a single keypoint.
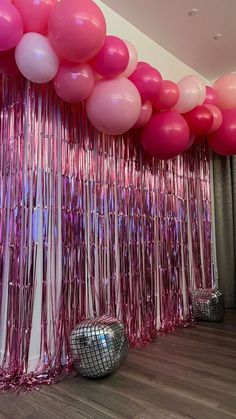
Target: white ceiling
[{"x": 189, "y": 38}]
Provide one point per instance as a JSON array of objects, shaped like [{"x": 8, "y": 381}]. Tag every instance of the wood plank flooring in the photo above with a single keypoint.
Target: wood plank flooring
[{"x": 188, "y": 374}]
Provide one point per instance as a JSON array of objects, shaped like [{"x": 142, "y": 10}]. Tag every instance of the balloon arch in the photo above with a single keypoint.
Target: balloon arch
[{"x": 66, "y": 42}]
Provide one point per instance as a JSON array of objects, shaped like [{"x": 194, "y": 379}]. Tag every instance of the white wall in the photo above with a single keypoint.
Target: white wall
[{"x": 169, "y": 66}]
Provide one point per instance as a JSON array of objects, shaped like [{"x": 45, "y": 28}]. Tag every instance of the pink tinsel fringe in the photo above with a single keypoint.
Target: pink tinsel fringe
[{"x": 90, "y": 225}]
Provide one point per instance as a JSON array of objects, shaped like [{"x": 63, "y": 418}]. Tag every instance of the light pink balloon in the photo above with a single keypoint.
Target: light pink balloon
[
  {"x": 189, "y": 96},
  {"x": 114, "y": 106},
  {"x": 133, "y": 59},
  {"x": 74, "y": 82},
  {"x": 11, "y": 25},
  {"x": 226, "y": 91},
  {"x": 201, "y": 85},
  {"x": 145, "y": 115},
  {"x": 217, "y": 117},
  {"x": 36, "y": 59},
  {"x": 35, "y": 14}
]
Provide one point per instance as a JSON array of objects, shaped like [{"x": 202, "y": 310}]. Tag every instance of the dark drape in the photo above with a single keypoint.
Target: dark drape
[{"x": 224, "y": 170}]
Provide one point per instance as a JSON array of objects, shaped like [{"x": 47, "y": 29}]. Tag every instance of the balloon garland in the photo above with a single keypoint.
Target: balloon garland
[{"x": 66, "y": 42}]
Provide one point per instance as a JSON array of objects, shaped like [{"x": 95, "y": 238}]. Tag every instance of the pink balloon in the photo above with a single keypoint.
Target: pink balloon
[
  {"x": 189, "y": 96},
  {"x": 114, "y": 106},
  {"x": 74, "y": 82},
  {"x": 166, "y": 135},
  {"x": 211, "y": 96},
  {"x": 225, "y": 88},
  {"x": 168, "y": 96},
  {"x": 8, "y": 63},
  {"x": 36, "y": 59},
  {"x": 217, "y": 117},
  {"x": 199, "y": 119},
  {"x": 148, "y": 82},
  {"x": 223, "y": 141},
  {"x": 112, "y": 59},
  {"x": 145, "y": 115},
  {"x": 11, "y": 25},
  {"x": 133, "y": 59},
  {"x": 77, "y": 29},
  {"x": 201, "y": 85},
  {"x": 35, "y": 14}
]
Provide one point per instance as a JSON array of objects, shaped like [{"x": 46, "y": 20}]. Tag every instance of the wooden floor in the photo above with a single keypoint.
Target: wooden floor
[{"x": 188, "y": 374}]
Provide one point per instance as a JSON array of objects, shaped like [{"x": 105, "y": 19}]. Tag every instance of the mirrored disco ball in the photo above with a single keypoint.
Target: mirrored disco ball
[
  {"x": 98, "y": 346},
  {"x": 208, "y": 304}
]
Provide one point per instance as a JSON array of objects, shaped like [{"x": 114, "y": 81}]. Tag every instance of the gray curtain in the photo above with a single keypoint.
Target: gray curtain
[{"x": 224, "y": 170}]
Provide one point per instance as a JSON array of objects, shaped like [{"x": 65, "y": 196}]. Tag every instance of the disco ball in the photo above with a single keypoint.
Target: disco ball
[
  {"x": 98, "y": 346},
  {"x": 208, "y": 304}
]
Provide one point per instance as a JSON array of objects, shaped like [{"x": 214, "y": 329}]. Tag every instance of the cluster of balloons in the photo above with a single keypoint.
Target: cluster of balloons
[{"x": 65, "y": 41}]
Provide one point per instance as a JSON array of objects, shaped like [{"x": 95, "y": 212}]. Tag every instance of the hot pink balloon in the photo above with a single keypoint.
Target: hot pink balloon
[
  {"x": 74, "y": 82},
  {"x": 166, "y": 135},
  {"x": 35, "y": 14},
  {"x": 141, "y": 64},
  {"x": 201, "y": 85},
  {"x": 148, "y": 82},
  {"x": 77, "y": 29},
  {"x": 217, "y": 117},
  {"x": 225, "y": 88},
  {"x": 168, "y": 95},
  {"x": 11, "y": 25},
  {"x": 223, "y": 141},
  {"x": 145, "y": 115},
  {"x": 199, "y": 119},
  {"x": 114, "y": 106},
  {"x": 113, "y": 59},
  {"x": 189, "y": 96},
  {"x": 36, "y": 59},
  {"x": 133, "y": 59},
  {"x": 211, "y": 96},
  {"x": 8, "y": 63}
]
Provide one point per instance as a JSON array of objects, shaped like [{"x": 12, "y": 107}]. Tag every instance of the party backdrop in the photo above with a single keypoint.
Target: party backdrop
[{"x": 90, "y": 225}]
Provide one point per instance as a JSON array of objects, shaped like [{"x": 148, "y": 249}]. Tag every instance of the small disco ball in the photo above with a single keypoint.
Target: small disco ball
[
  {"x": 98, "y": 346},
  {"x": 208, "y": 304}
]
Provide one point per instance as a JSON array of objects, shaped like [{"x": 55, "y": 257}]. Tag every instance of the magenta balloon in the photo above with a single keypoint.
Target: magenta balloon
[
  {"x": 114, "y": 106},
  {"x": 217, "y": 117},
  {"x": 201, "y": 85},
  {"x": 166, "y": 135},
  {"x": 189, "y": 96},
  {"x": 8, "y": 63},
  {"x": 225, "y": 88},
  {"x": 145, "y": 115},
  {"x": 35, "y": 14},
  {"x": 113, "y": 59},
  {"x": 77, "y": 29},
  {"x": 168, "y": 95},
  {"x": 36, "y": 59},
  {"x": 133, "y": 59},
  {"x": 211, "y": 96},
  {"x": 223, "y": 141},
  {"x": 11, "y": 25},
  {"x": 148, "y": 82},
  {"x": 199, "y": 119},
  {"x": 74, "y": 82},
  {"x": 141, "y": 64}
]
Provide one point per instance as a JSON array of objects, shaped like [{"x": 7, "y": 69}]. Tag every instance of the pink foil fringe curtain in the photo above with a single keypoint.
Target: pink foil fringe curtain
[{"x": 89, "y": 225}]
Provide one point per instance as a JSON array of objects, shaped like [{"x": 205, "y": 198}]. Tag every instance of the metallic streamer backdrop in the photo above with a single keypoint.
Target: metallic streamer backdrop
[{"x": 89, "y": 225}]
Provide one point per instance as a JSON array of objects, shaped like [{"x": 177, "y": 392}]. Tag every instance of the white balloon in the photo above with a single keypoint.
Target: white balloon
[
  {"x": 36, "y": 59},
  {"x": 189, "y": 95},
  {"x": 201, "y": 86},
  {"x": 133, "y": 59}
]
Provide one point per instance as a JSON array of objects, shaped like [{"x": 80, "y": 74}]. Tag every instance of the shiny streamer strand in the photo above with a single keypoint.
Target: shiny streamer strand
[{"x": 89, "y": 225}]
